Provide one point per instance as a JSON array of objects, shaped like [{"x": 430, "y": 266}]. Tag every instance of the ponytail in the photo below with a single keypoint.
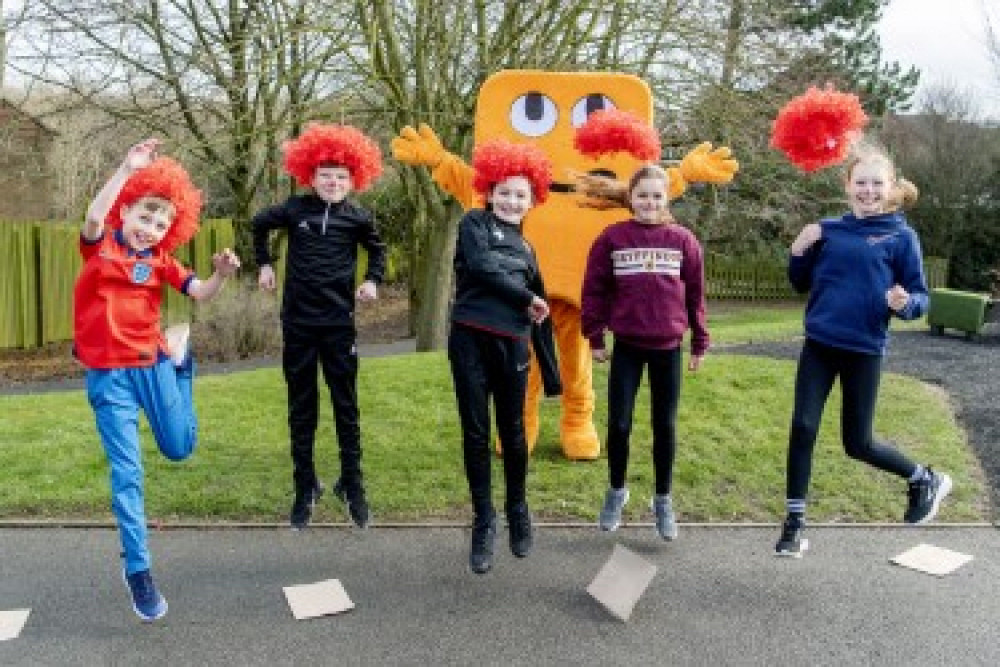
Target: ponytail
[{"x": 903, "y": 195}]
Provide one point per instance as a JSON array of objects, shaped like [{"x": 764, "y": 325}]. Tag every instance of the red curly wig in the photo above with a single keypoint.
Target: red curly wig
[
  {"x": 611, "y": 131},
  {"x": 815, "y": 129},
  {"x": 498, "y": 160},
  {"x": 166, "y": 179},
  {"x": 342, "y": 145}
]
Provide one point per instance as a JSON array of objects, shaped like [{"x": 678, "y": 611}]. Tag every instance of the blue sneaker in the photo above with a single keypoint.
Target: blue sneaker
[{"x": 147, "y": 602}]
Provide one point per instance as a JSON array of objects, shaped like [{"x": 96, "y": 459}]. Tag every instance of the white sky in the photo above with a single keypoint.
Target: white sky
[{"x": 946, "y": 41}]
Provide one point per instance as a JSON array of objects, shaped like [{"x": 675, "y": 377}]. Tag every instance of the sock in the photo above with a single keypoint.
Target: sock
[
  {"x": 796, "y": 508},
  {"x": 920, "y": 474}
]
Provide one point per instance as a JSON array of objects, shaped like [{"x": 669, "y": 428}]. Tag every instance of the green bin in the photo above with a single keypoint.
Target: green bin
[{"x": 954, "y": 309}]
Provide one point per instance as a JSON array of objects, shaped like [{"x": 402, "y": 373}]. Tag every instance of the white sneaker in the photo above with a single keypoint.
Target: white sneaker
[{"x": 177, "y": 342}]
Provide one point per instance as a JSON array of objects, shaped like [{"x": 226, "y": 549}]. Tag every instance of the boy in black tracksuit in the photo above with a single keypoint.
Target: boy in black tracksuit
[
  {"x": 499, "y": 307},
  {"x": 317, "y": 309}
]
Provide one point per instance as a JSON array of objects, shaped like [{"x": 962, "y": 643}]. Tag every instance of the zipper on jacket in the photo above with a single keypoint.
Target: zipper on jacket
[{"x": 326, "y": 214}]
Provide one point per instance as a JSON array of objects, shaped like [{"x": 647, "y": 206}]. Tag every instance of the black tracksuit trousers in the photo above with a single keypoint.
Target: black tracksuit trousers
[
  {"x": 484, "y": 364},
  {"x": 333, "y": 349}
]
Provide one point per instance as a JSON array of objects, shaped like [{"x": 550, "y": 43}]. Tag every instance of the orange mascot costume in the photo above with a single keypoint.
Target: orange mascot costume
[{"x": 546, "y": 109}]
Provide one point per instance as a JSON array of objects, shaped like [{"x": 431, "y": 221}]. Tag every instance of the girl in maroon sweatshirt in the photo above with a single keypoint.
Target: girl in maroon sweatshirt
[{"x": 645, "y": 282}]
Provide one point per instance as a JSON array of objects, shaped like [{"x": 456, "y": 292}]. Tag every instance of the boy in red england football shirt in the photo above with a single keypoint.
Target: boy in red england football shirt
[{"x": 143, "y": 213}]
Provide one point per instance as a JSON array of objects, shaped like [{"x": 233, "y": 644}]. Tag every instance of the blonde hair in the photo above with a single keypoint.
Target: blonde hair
[
  {"x": 902, "y": 194},
  {"x": 603, "y": 192}
]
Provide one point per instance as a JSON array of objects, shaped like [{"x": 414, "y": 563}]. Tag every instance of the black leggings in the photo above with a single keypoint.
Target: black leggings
[
  {"x": 859, "y": 376},
  {"x": 627, "y": 362},
  {"x": 484, "y": 364}
]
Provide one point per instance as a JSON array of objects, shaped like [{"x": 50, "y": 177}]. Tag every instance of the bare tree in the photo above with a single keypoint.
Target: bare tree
[
  {"x": 223, "y": 82},
  {"x": 953, "y": 157},
  {"x": 424, "y": 61}
]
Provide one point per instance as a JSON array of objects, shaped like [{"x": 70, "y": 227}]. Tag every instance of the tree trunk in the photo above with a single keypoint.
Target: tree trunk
[
  {"x": 435, "y": 287},
  {"x": 243, "y": 235}
]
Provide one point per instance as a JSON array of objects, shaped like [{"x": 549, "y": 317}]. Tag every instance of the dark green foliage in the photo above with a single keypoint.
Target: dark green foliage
[{"x": 849, "y": 50}]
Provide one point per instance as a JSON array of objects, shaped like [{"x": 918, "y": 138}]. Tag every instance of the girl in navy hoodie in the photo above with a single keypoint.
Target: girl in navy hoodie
[
  {"x": 644, "y": 282},
  {"x": 859, "y": 270}
]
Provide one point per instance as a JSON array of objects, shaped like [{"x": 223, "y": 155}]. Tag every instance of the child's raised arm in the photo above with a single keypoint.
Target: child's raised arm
[{"x": 139, "y": 156}]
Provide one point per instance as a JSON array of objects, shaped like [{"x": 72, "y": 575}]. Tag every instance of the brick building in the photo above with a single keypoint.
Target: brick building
[{"x": 25, "y": 175}]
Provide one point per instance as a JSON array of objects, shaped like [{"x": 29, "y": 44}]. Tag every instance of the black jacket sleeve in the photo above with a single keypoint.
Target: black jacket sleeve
[
  {"x": 375, "y": 247},
  {"x": 544, "y": 347},
  {"x": 266, "y": 221}
]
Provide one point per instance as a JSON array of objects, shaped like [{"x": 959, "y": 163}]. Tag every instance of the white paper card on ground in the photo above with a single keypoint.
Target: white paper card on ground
[
  {"x": 621, "y": 581},
  {"x": 320, "y": 599},
  {"x": 931, "y": 559},
  {"x": 12, "y": 622}
]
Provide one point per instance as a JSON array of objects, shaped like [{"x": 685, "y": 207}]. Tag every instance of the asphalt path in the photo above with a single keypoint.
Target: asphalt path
[{"x": 718, "y": 598}]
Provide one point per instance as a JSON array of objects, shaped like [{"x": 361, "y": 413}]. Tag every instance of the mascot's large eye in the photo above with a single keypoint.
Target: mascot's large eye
[
  {"x": 533, "y": 115},
  {"x": 588, "y": 105}
]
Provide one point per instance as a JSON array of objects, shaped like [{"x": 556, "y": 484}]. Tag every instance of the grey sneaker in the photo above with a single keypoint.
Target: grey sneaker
[
  {"x": 611, "y": 512},
  {"x": 666, "y": 525}
]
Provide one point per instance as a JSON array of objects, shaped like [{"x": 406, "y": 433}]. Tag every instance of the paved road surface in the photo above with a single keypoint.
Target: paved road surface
[{"x": 719, "y": 598}]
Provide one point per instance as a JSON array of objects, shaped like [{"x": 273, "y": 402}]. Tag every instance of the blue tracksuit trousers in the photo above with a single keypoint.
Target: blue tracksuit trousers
[{"x": 165, "y": 395}]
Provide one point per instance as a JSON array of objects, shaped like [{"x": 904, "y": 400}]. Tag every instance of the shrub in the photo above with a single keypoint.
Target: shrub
[{"x": 241, "y": 322}]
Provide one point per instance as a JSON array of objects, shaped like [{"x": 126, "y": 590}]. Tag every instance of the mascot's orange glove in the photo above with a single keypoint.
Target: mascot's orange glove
[
  {"x": 418, "y": 147},
  {"x": 702, "y": 165}
]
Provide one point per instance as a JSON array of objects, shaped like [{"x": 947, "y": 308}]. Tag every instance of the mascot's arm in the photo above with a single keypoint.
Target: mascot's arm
[
  {"x": 422, "y": 147},
  {"x": 703, "y": 165}
]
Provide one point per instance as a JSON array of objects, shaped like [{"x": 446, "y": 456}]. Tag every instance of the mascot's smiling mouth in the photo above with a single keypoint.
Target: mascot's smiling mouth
[{"x": 556, "y": 186}]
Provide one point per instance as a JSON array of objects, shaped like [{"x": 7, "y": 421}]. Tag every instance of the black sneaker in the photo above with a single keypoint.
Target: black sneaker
[
  {"x": 484, "y": 534},
  {"x": 925, "y": 497},
  {"x": 302, "y": 506},
  {"x": 519, "y": 523},
  {"x": 791, "y": 544},
  {"x": 357, "y": 506}
]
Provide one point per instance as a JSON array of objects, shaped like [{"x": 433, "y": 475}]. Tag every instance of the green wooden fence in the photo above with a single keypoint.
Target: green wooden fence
[
  {"x": 749, "y": 279},
  {"x": 42, "y": 261}
]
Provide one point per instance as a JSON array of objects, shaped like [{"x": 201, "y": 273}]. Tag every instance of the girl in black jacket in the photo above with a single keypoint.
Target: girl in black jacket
[{"x": 499, "y": 308}]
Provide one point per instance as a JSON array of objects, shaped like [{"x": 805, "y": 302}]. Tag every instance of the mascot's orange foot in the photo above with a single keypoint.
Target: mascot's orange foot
[{"x": 580, "y": 442}]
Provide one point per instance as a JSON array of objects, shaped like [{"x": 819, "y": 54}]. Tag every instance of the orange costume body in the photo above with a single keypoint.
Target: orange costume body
[{"x": 545, "y": 109}]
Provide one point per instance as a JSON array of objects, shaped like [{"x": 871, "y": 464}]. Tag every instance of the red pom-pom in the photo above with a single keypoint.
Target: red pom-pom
[
  {"x": 166, "y": 179},
  {"x": 613, "y": 131},
  {"x": 815, "y": 129},
  {"x": 341, "y": 145},
  {"x": 498, "y": 160}
]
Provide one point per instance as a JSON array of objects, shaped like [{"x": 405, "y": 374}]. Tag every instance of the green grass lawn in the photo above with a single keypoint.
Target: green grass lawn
[{"x": 732, "y": 428}]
